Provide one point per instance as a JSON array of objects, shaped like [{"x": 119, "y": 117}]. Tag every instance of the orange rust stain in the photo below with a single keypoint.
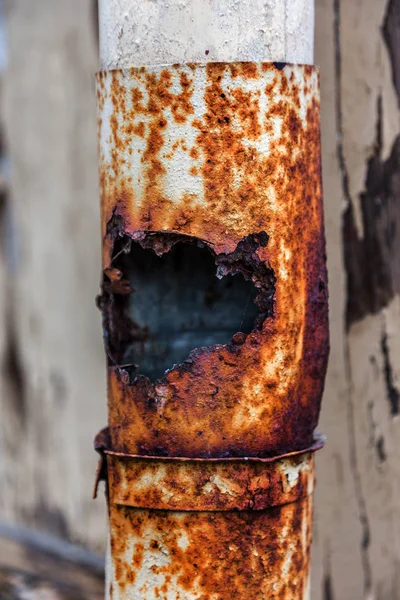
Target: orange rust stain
[
  {"x": 283, "y": 90},
  {"x": 131, "y": 129},
  {"x": 269, "y": 88},
  {"x": 137, "y": 558},
  {"x": 136, "y": 98},
  {"x": 257, "y": 410}
]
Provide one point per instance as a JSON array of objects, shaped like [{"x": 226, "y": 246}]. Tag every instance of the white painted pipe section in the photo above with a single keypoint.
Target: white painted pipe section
[{"x": 154, "y": 32}]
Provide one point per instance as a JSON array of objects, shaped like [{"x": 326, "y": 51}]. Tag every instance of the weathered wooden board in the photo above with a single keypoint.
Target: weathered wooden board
[
  {"x": 37, "y": 567},
  {"x": 357, "y": 530},
  {"x": 53, "y": 378}
]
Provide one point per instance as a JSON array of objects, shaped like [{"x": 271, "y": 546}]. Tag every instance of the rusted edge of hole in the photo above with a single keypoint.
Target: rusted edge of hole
[{"x": 113, "y": 301}]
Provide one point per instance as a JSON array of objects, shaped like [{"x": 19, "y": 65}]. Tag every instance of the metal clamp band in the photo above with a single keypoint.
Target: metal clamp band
[{"x": 183, "y": 484}]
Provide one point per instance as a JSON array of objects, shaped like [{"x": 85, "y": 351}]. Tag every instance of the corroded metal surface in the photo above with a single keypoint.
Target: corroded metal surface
[
  {"x": 212, "y": 548},
  {"x": 224, "y": 156},
  {"x": 241, "y": 484},
  {"x": 211, "y": 556}
]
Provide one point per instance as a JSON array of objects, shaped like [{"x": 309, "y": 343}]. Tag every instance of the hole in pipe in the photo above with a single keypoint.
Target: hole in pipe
[{"x": 176, "y": 304}]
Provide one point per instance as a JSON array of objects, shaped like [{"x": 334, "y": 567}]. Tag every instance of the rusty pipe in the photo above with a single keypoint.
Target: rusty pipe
[
  {"x": 226, "y": 157},
  {"x": 209, "y": 528},
  {"x": 223, "y": 158}
]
